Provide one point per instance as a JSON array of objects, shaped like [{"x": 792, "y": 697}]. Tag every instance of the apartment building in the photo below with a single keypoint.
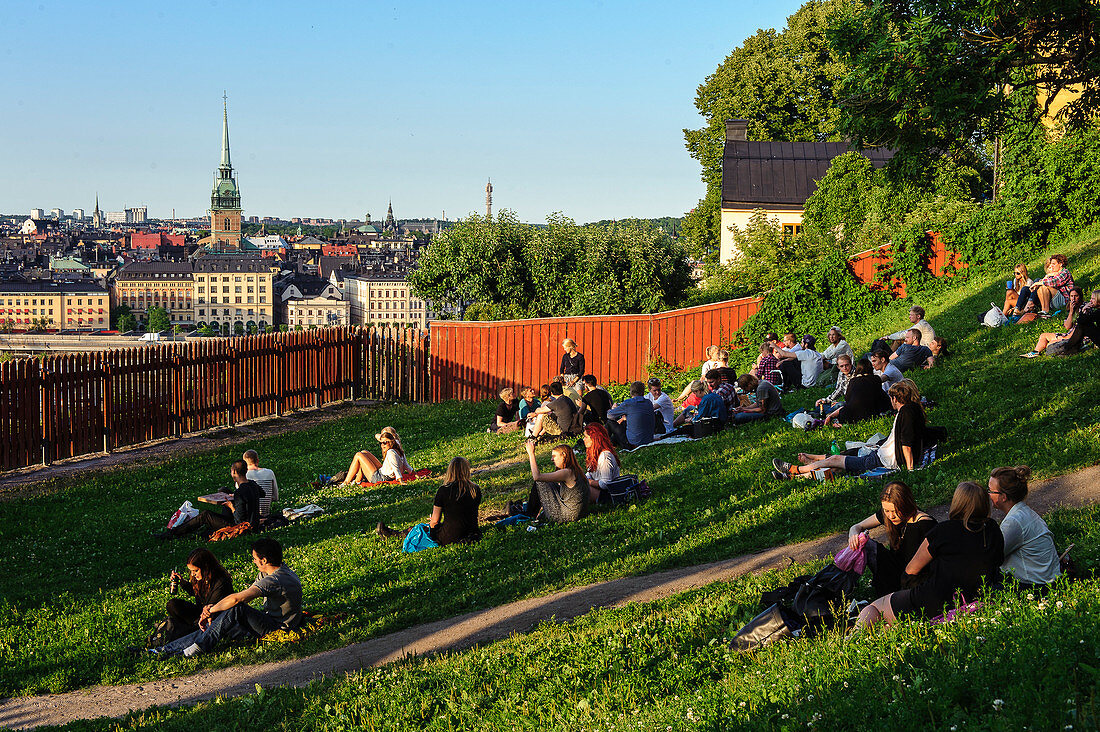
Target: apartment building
[
  {"x": 234, "y": 292},
  {"x": 169, "y": 285},
  {"x": 54, "y": 305}
]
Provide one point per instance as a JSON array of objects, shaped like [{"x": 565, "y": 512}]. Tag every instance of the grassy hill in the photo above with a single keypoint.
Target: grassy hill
[{"x": 84, "y": 579}]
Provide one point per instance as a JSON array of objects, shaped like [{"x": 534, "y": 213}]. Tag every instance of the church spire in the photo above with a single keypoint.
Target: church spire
[
  {"x": 225, "y": 132},
  {"x": 489, "y": 199}
]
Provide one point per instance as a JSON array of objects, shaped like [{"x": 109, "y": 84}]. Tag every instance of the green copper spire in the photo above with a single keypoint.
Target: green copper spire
[
  {"x": 225, "y": 194},
  {"x": 225, "y": 133}
]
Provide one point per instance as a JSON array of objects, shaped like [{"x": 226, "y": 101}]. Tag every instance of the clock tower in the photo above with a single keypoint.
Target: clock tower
[{"x": 225, "y": 200}]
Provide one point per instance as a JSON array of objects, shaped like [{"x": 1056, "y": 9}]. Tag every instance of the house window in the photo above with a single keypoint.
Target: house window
[{"x": 790, "y": 230}]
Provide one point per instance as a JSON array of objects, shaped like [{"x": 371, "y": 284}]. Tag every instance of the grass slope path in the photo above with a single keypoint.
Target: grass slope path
[{"x": 1074, "y": 490}]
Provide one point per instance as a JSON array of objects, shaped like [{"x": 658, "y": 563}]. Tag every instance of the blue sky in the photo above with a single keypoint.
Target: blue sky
[{"x": 337, "y": 108}]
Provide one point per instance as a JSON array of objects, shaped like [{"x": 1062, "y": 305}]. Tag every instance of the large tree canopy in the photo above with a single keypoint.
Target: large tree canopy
[
  {"x": 501, "y": 268},
  {"x": 783, "y": 83},
  {"x": 936, "y": 74}
]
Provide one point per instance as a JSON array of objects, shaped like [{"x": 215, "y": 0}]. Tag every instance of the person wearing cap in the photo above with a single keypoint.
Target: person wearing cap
[
  {"x": 808, "y": 359},
  {"x": 662, "y": 403}
]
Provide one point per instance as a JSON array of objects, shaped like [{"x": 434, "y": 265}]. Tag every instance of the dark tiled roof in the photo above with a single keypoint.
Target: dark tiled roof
[
  {"x": 51, "y": 286},
  {"x": 156, "y": 271},
  {"x": 781, "y": 173},
  {"x": 230, "y": 263}
]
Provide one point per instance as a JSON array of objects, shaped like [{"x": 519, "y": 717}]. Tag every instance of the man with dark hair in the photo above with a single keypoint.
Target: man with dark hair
[
  {"x": 233, "y": 618},
  {"x": 244, "y": 506},
  {"x": 720, "y": 384},
  {"x": 554, "y": 417},
  {"x": 263, "y": 477},
  {"x": 768, "y": 402},
  {"x": 631, "y": 423},
  {"x": 596, "y": 401}
]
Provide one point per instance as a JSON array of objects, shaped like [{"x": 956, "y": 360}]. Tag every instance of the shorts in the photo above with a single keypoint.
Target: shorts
[
  {"x": 901, "y": 603},
  {"x": 1057, "y": 301},
  {"x": 550, "y": 424},
  {"x": 856, "y": 465},
  {"x": 377, "y": 477}
]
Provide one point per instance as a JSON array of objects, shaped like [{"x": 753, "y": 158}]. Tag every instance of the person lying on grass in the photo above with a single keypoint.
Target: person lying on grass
[
  {"x": 232, "y": 618},
  {"x": 600, "y": 458},
  {"x": 562, "y": 494},
  {"x": 906, "y": 526},
  {"x": 454, "y": 511},
  {"x": 1030, "y": 554},
  {"x": 1073, "y": 309},
  {"x": 243, "y": 507},
  {"x": 365, "y": 467},
  {"x": 903, "y": 447},
  {"x": 960, "y": 555},
  {"x": 863, "y": 396}
]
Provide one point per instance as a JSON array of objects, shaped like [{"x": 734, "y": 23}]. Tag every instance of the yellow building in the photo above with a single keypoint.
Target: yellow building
[
  {"x": 144, "y": 285},
  {"x": 234, "y": 293},
  {"x": 45, "y": 304}
]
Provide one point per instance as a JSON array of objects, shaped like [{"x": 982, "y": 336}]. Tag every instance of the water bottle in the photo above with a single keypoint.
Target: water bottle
[{"x": 174, "y": 584}]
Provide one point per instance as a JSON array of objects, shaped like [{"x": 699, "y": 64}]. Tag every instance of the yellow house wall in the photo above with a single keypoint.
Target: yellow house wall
[{"x": 740, "y": 218}]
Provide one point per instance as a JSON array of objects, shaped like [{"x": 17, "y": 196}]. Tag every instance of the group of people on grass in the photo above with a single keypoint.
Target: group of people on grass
[
  {"x": 1027, "y": 299},
  {"x": 926, "y": 567}
]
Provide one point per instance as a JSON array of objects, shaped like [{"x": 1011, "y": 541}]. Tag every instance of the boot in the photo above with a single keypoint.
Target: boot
[{"x": 385, "y": 531}]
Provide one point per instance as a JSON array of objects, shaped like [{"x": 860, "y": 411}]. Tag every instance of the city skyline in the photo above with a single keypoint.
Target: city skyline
[{"x": 575, "y": 108}]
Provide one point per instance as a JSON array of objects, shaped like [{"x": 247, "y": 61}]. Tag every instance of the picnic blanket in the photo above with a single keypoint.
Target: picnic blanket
[
  {"x": 665, "y": 441},
  {"x": 310, "y": 624},
  {"x": 231, "y": 532},
  {"x": 422, "y": 473}
]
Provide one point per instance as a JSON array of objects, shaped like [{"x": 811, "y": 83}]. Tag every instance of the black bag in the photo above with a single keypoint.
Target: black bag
[
  {"x": 786, "y": 594},
  {"x": 624, "y": 489},
  {"x": 816, "y": 599},
  {"x": 167, "y": 631},
  {"x": 706, "y": 427},
  {"x": 773, "y": 624}
]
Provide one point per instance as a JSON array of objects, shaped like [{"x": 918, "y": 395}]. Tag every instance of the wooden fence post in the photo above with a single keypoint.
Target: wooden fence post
[
  {"x": 231, "y": 385},
  {"x": 108, "y": 399}
]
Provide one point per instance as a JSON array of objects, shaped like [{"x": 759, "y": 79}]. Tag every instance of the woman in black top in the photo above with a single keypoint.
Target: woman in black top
[
  {"x": 906, "y": 526},
  {"x": 209, "y": 584},
  {"x": 454, "y": 510},
  {"x": 505, "y": 420},
  {"x": 572, "y": 363},
  {"x": 960, "y": 555},
  {"x": 864, "y": 397}
]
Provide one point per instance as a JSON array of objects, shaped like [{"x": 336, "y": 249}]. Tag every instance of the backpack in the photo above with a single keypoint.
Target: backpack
[
  {"x": 815, "y": 600},
  {"x": 625, "y": 489}
]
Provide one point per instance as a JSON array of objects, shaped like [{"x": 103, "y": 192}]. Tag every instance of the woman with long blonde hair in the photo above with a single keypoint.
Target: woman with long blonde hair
[
  {"x": 959, "y": 555},
  {"x": 1019, "y": 281},
  {"x": 393, "y": 465},
  {"x": 454, "y": 513}
]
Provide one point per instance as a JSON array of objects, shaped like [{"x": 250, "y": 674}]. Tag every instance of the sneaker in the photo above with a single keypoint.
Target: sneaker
[
  {"x": 323, "y": 479},
  {"x": 781, "y": 466},
  {"x": 1044, "y": 314},
  {"x": 139, "y": 651},
  {"x": 780, "y": 476},
  {"x": 192, "y": 650},
  {"x": 1030, "y": 354}
]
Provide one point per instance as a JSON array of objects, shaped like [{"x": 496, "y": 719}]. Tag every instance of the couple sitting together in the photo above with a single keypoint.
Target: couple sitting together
[{"x": 925, "y": 564}]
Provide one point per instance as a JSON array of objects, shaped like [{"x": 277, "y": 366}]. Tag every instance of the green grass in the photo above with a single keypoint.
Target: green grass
[
  {"x": 83, "y": 579},
  {"x": 1018, "y": 663}
]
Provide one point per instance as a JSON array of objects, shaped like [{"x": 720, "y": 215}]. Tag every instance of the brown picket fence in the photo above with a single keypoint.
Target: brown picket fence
[{"x": 77, "y": 404}]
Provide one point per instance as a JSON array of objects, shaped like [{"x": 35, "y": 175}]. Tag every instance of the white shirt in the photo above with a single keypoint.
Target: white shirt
[
  {"x": 663, "y": 403},
  {"x": 607, "y": 469},
  {"x": 1030, "y": 555},
  {"x": 927, "y": 333},
  {"x": 887, "y": 451},
  {"x": 810, "y": 360},
  {"x": 394, "y": 465},
  {"x": 835, "y": 350},
  {"x": 708, "y": 366},
  {"x": 265, "y": 478}
]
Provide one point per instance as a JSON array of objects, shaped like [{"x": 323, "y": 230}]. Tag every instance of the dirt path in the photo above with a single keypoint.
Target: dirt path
[
  {"x": 465, "y": 631},
  {"x": 36, "y": 478}
]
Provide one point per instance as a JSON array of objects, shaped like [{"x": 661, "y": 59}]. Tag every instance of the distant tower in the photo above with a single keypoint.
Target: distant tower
[
  {"x": 390, "y": 224},
  {"x": 97, "y": 215},
  {"x": 489, "y": 199},
  {"x": 225, "y": 200}
]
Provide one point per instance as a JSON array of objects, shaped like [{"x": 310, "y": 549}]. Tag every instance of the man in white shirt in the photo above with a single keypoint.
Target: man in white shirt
[
  {"x": 264, "y": 478},
  {"x": 661, "y": 402},
  {"x": 808, "y": 358},
  {"x": 916, "y": 319}
]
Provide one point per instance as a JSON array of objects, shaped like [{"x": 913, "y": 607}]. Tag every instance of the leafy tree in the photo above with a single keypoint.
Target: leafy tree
[
  {"x": 936, "y": 74},
  {"x": 117, "y": 312},
  {"x": 252, "y": 330},
  {"x": 238, "y": 328},
  {"x": 783, "y": 83},
  {"x": 283, "y": 327},
  {"x": 126, "y": 322},
  {"x": 158, "y": 320},
  {"x": 206, "y": 330}
]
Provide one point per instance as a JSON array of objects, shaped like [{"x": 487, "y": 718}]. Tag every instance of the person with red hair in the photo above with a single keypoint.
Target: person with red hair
[{"x": 600, "y": 458}]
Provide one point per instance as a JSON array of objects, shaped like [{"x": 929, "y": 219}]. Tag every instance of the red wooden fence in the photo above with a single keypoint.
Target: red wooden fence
[
  {"x": 473, "y": 360},
  {"x": 76, "y": 404},
  {"x": 868, "y": 265}
]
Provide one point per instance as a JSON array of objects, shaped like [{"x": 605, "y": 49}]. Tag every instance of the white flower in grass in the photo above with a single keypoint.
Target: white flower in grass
[
  {"x": 998, "y": 703},
  {"x": 1058, "y": 604}
]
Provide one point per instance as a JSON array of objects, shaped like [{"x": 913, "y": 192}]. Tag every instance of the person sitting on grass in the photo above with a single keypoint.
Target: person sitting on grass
[
  {"x": 596, "y": 401},
  {"x": 903, "y": 448},
  {"x": 454, "y": 513},
  {"x": 906, "y": 526},
  {"x": 694, "y": 396},
  {"x": 711, "y": 406},
  {"x": 837, "y": 347},
  {"x": 912, "y": 353},
  {"x": 827, "y": 404},
  {"x": 887, "y": 373},
  {"x": 528, "y": 404},
  {"x": 631, "y": 423},
  {"x": 366, "y": 468},
  {"x": 916, "y": 318},
  {"x": 938, "y": 347},
  {"x": 959, "y": 555},
  {"x": 662, "y": 404},
  {"x": 506, "y": 418},
  {"x": 1029, "y": 552},
  {"x": 1050, "y": 293},
  {"x": 709, "y": 362},
  {"x": 244, "y": 507},
  {"x": 600, "y": 458},
  {"x": 265, "y": 478},
  {"x": 768, "y": 402},
  {"x": 1019, "y": 281},
  {"x": 570, "y": 392},
  {"x": 1073, "y": 310},
  {"x": 208, "y": 583},
  {"x": 232, "y": 618},
  {"x": 1087, "y": 326},
  {"x": 809, "y": 365},
  {"x": 561, "y": 495},
  {"x": 555, "y": 416},
  {"x": 863, "y": 397},
  {"x": 767, "y": 365}
]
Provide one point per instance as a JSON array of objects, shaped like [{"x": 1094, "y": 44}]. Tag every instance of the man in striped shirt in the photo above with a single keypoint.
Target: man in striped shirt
[{"x": 263, "y": 477}]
